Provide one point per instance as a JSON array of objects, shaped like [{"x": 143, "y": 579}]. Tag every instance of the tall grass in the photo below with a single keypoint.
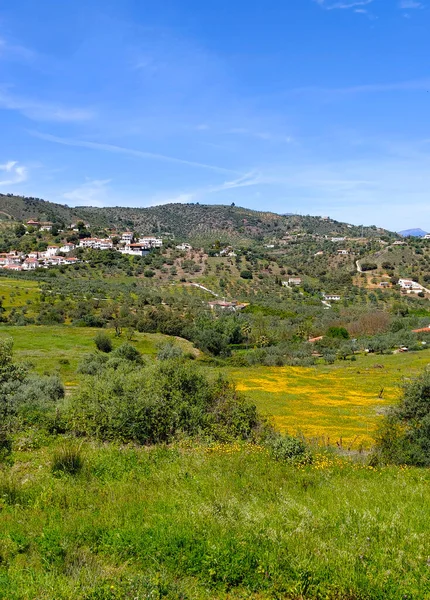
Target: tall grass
[
  {"x": 67, "y": 459},
  {"x": 222, "y": 522}
]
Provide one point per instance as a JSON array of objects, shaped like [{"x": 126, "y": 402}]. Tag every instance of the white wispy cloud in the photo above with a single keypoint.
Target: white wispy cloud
[
  {"x": 38, "y": 110},
  {"x": 14, "y": 173},
  {"x": 91, "y": 193},
  {"x": 128, "y": 151},
  {"x": 13, "y": 51},
  {"x": 398, "y": 86},
  {"x": 261, "y": 135},
  {"x": 342, "y": 5},
  {"x": 410, "y": 4}
]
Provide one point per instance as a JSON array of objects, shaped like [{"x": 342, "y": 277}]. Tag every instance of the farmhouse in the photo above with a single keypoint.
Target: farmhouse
[
  {"x": 334, "y": 297},
  {"x": 137, "y": 249},
  {"x": 294, "y": 281},
  {"x": 184, "y": 247},
  {"x": 408, "y": 284},
  {"x": 225, "y": 305},
  {"x": 338, "y": 239},
  {"x": 422, "y": 330}
]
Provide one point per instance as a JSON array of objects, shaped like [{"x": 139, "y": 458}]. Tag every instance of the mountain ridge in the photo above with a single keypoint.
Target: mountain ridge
[
  {"x": 184, "y": 220},
  {"x": 417, "y": 232}
]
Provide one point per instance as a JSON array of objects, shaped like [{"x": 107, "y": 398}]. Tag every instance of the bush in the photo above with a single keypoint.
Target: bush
[
  {"x": 159, "y": 402},
  {"x": 5, "y": 447},
  {"x": 128, "y": 352},
  {"x": 246, "y": 274},
  {"x": 404, "y": 436},
  {"x": 338, "y": 332},
  {"x": 91, "y": 364},
  {"x": 67, "y": 460},
  {"x": 288, "y": 449},
  {"x": 169, "y": 351},
  {"x": 103, "y": 342}
]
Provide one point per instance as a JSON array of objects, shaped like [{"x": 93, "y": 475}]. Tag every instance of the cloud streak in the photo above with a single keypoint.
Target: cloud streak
[
  {"x": 14, "y": 173},
  {"x": 372, "y": 88},
  {"x": 128, "y": 151},
  {"x": 410, "y": 4},
  {"x": 43, "y": 111},
  {"x": 90, "y": 193},
  {"x": 343, "y": 5}
]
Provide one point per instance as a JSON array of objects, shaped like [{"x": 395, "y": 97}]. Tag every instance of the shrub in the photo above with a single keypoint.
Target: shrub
[
  {"x": 91, "y": 364},
  {"x": 368, "y": 266},
  {"x": 5, "y": 447},
  {"x": 103, "y": 342},
  {"x": 246, "y": 274},
  {"x": 288, "y": 449},
  {"x": 338, "y": 332},
  {"x": 404, "y": 436},
  {"x": 128, "y": 352},
  {"x": 159, "y": 402},
  {"x": 68, "y": 460},
  {"x": 169, "y": 351}
]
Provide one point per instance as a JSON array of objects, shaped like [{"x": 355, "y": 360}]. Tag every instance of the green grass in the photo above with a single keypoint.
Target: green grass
[
  {"x": 198, "y": 524},
  {"x": 16, "y": 292},
  {"x": 46, "y": 347},
  {"x": 330, "y": 402}
]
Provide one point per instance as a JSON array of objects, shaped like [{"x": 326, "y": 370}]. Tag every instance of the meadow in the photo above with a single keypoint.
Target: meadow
[
  {"x": 199, "y": 523},
  {"x": 59, "y": 348},
  {"x": 338, "y": 403}
]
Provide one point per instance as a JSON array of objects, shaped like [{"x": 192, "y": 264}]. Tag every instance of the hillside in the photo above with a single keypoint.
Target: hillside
[{"x": 184, "y": 220}]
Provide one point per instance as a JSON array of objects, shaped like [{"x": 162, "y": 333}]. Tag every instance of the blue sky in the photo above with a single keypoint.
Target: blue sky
[{"x": 308, "y": 106}]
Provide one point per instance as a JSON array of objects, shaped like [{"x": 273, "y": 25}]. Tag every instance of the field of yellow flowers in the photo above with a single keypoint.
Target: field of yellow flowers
[{"x": 333, "y": 404}]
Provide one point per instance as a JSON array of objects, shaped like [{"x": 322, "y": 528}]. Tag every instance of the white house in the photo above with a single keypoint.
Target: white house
[
  {"x": 137, "y": 249},
  {"x": 334, "y": 297},
  {"x": 184, "y": 247},
  {"x": 337, "y": 239},
  {"x": 408, "y": 284},
  {"x": 151, "y": 242},
  {"x": 295, "y": 281},
  {"x": 127, "y": 237},
  {"x": 51, "y": 251},
  {"x": 30, "y": 264},
  {"x": 343, "y": 252},
  {"x": 96, "y": 243},
  {"x": 67, "y": 248},
  {"x": 427, "y": 236}
]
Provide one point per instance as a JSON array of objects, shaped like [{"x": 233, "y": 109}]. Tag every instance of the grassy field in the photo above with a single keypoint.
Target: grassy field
[
  {"x": 330, "y": 402},
  {"x": 340, "y": 401},
  {"x": 16, "y": 292},
  {"x": 49, "y": 348},
  {"x": 199, "y": 524}
]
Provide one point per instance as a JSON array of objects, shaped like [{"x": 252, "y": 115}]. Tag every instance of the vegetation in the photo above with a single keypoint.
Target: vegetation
[
  {"x": 404, "y": 436},
  {"x": 221, "y": 521},
  {"x": 198, "y": 422}
]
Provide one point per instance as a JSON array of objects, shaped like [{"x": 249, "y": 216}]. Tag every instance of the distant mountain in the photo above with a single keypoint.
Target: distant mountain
[
  {"x": 187, "y": 221},
  {"x": 413, "y": 233}
]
